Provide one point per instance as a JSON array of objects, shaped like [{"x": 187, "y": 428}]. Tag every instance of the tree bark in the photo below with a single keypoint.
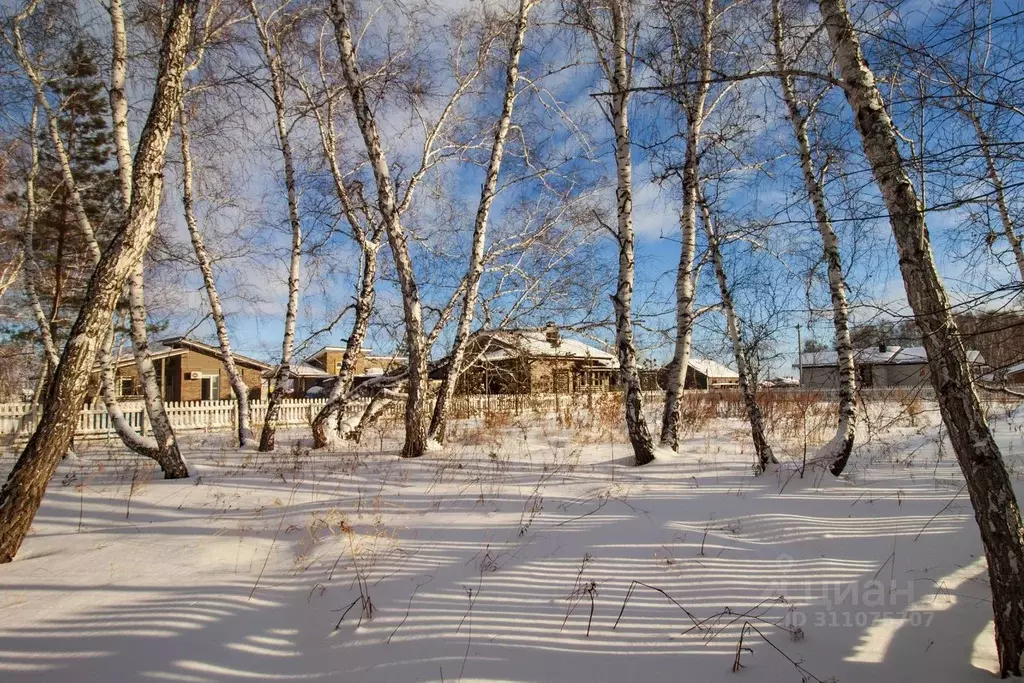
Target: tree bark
[
  {"x": 476, "y": 260},
  {"x": 26, "y": 484},
  {"x": 368, "y": 237},
  {"x": 837, "y": 451},
  {"x": 163, "y": 433},
  {"x": 338, "y": 399},
  {"x": 238, "y": 385},
  {"x": 763, "y": 455},
  {"x": 685, "y": 286},
  {"x": 995, "y": 506},
  {"x": 618, "y": 74},
  {"x": 169, "y": 458},
  {"x": 277, "y": 80},
  {"x": 28, "y": 247},
  {"x": 416, "y": 347}
]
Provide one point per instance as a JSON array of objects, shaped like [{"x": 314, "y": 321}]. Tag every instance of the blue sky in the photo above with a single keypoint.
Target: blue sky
[{"x": 557, "y": 112}]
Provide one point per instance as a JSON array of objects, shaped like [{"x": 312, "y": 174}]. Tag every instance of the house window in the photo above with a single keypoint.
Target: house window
[
  {"x": 210, "y": 388},
  {"x": 125, "y": 387},
  {"x": 561, "y": 381}
]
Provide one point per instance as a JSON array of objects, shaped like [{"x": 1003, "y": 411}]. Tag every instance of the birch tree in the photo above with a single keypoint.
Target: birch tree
[
  {"x": 26, "y": 484},
  {"x": 367, "y": 231},
  {"x": 28, "y": 245},
  {"x": 476, "y": 260},
  {"x": 271, "y": 47},
  {"x": 611, "y": 40},
  {"x": 162, "y": 447},
  {"x": 163, "y": 433},
  {"x": 989, "y": 485},
  {"x": 188, "y": 197},
  {"x": 391, "y": 208},
  {"x": 836, "y": 452},
  {"x": 763, "y": 455},
  {"x": 692, "y": 100}
]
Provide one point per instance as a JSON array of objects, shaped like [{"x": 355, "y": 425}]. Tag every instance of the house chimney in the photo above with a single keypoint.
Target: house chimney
[
  {"x": 551, "y": 334},
  {"x": 882, "y": 347}
]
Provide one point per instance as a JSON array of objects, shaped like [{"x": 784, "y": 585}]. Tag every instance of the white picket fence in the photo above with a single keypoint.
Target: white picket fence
[{"x": 20, "y": 419}]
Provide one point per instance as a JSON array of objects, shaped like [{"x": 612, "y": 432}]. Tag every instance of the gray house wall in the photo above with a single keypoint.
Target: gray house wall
[
  {"x": 884, "y": 375},
  {"x": 819, "y": 378}
]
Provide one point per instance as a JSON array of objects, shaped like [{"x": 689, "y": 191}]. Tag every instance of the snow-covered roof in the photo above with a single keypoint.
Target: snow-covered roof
[
  {"x": 534, "y": 344},
  {"x": 157, "y": 351},
  {"x": 364, "y": 352},
  {"x": 186, "y": 343},
  {"x": 1014, "y": 369},
  {"x": 711, "y": 368},
  {"x": 917, "y": 354},
  {"x": 301, "y": 370},
  {"x": 868, "y": 356},
  {"x": 892, "y": 355}
]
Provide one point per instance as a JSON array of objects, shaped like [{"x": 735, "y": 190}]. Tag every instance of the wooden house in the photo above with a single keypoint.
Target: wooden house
[
  {"x": 533, "y": 361},
  {"x": 701, "y": 374},
  {"x": 187, "y": 370}
]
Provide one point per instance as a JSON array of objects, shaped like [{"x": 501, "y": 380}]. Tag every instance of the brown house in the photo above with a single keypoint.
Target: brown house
[
  {"x": 701, "y": 373},
  {"x": 534, "y": 361},
  {"x": 187, "y": 370},
  {"x": 368, "y": 363}
]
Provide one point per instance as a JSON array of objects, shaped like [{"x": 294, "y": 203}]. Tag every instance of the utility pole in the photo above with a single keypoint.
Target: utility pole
[{"x": 799, "y": 355}]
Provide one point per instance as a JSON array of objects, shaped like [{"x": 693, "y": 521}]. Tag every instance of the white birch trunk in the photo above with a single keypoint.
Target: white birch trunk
[
  {"x": 636, "y": 425},
  {"x": 763, "y": 455},
  {"x": 675, "y": 381},
  {"x": 476, "y": 259},
  {"x": 170, "y": 459},
  {"x": 32, "y": 275},
  {"x": 277, "y": 81},
  {"x": 238, "y": 385},
  {"x": 416, "y": 346},
  {"x": 835, "y": 453},
  {"x": 23, "y": 491},
  {"x": 368, "y": 237},
  {"x": 162, "y": 430},
  {"x": 989, "y": 485}
]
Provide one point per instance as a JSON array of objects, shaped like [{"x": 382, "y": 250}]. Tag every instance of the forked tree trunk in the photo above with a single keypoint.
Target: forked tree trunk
[
  {"x": 836, "y": 453},
  {"x": 238, "y": 385},
  {"x": 619, "y": 77},
  {"x": 415, "y": 340},
  {"x": 374, "y": 409},
  {"x": 989, "y": 485},
  {"x": 146, "y": 446},
  {"x": 675, "y": 381},
  {"x": 169, "y": 458},
  {"x": 339, "y": 397},
  {"x": 368, "y": 237},
  {"x": 763, "y": 455},
  {"x": 272, "y": 54},
  {"x": 26, "y": 484},
  {"x": 163, "y": 433},
  {"x": 476, "y": 258}
]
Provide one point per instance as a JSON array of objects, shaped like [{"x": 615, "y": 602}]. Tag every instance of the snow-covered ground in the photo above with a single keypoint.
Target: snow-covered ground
[{"x": 510, "y": 556}]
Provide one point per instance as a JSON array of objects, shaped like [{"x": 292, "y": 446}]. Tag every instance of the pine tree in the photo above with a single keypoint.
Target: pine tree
[{"x": 61, "y": 250}]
